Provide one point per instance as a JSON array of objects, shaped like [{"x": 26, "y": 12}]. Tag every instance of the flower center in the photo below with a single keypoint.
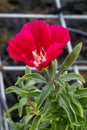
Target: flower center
[{"x": 39, "y": 58}]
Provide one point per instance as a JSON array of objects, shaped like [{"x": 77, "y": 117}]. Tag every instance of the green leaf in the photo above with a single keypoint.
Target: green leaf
[
  {"x": 19, "y": 82},
  {"x": 30, "y": 85},
  {"x": 83, "y": 102},
  {"x": 61, "y": 124},
  {"x": 13, "y": 89},
  {"x": 11, "y": 109},
  {"x": 71, "y": 57},
  {"x": 53, "y": 126},
  {"x": 46, "y": 109},
  {"x": 72, "y": 76},
  {"x": 35, "y": 123},
  {"x": 65, "y": 103},
  {"x": 27, "y": 118},
  {"x": 18, "y": 126},
  {"x": 80, "y": 125},
  {"x": 22, "y": 103},
  {"x": 23, "y": 93},
  {"x": 34, "y": 93},
  {"x": 59, "y": 81},
  {"x": 45, "y": 92},
  {"x": 10, "y": 122},
  {"x": 77, "y": 107},
  {"x": 82, "y": 93},
  {"x": 76, "y": 85},
  {"x": 33, "y": 76},
  {"x": 52, "y": 68}
]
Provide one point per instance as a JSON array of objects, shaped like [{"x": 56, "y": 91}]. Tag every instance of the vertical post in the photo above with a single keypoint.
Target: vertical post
[{"x": 63, "y": 23}]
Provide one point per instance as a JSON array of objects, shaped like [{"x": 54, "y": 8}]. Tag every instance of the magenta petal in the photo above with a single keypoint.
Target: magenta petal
[
  {"x": 59, "y": 34},
  {"x": 41, "y": 33},
  {"x": 14, "y": 52},
  {"x": 53, "y": 51},
  {"x": 24, "y": 42}
]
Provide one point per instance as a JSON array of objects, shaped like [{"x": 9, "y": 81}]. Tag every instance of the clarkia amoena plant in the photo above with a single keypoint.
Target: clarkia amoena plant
[{"x": 48, "y": 98}]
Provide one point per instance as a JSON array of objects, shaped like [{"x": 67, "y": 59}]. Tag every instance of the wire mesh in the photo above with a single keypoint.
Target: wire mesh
[{"x": 3, "y": 68}]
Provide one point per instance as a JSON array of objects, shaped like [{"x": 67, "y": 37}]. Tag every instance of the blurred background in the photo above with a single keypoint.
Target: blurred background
[{"x": 13, "y": 14}]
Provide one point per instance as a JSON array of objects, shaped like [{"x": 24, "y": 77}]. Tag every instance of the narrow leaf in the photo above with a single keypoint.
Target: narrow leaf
[
  {"x": 22, "y": 102},
  {"x": 33, "y": 76},
  {"x": 78, "y": 107},
  {"x": 61, "y": 124},
  {"x": 23, "y": 93},
  {"x": 11, "y": 109},
  {"x": 35, "y": 123},
  {"x": 82, "y": 93},
  {"x": 71, "y": 57},
  {"x": 59, "y": 81},
  {"x": 65, "y": 104},
  {"x": 13, "y": 89},
  {"x": 43, "y": 96},
  {"x": 72, "y": 76}
]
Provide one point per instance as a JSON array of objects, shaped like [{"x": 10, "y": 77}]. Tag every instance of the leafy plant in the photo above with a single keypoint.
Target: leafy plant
[{"x": 59, "y": 105}]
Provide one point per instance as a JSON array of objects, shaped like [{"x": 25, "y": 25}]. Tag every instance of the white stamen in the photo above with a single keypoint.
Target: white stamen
[{"x": 38, "y": 58}]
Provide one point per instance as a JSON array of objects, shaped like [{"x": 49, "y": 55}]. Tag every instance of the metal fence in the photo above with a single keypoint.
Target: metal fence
[{"x": 76, "y": 68}]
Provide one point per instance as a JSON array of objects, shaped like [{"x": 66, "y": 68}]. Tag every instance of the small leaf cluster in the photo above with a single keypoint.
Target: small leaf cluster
[{"x": 61, "y": 103}]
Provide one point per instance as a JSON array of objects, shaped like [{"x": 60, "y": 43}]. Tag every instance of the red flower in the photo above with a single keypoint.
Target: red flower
[{"x": 38, "y": 43}]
